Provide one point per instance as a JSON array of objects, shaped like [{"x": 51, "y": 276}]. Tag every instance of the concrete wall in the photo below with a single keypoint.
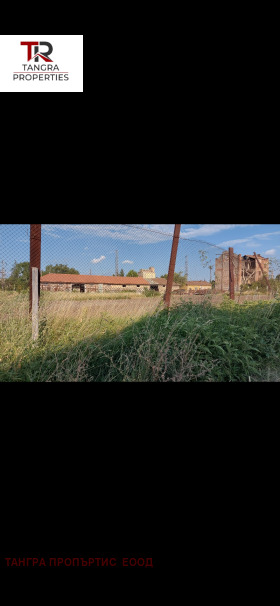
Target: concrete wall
[
  {"x": 91, "y": 288},
  {"x": 114, "y": 288},
  {"x": 191, "y": 287},
  {"x": 56, "y": 287}
]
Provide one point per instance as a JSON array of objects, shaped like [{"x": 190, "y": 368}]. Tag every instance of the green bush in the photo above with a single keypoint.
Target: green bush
[{"x": 151, "y": 293}]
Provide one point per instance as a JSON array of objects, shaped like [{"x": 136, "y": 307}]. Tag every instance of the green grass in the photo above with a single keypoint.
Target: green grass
[{"x": 190, "y": 343}]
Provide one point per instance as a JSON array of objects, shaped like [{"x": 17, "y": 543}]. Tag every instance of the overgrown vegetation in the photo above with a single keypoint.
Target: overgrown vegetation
[
  {"x": 151, "y": 293},
  {"x": 190, "y": 343},
  {"x": 261, "y": 286}
]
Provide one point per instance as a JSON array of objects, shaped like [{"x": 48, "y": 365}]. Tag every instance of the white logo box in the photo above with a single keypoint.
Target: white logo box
[{"x": 67, "y": 55}]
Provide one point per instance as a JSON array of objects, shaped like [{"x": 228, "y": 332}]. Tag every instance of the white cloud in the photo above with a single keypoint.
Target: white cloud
[
  {"x": 148, "y": 233},
  {"x": 138, "y": 234},
  {"x": 127, "y": 261},
  {"x": 250, "y": 239},
  {"x": 270, "y": 252},
  {"x": 49, "y": 230},
  {"x": 208, "y": 229},
  {"x": 98, "y": 260},
  {"x": 233, "y": 242}
]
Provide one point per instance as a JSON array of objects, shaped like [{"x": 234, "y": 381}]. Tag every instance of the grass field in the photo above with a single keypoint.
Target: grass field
[{"x": 134, "y": 339}]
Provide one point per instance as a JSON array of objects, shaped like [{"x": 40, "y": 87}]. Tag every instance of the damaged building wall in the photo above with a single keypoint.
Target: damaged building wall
[{"x": 246, "y": 270}]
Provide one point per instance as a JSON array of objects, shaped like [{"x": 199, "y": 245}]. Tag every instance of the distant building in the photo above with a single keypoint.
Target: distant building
[
  {"x": 85, "y": 283},
  {"x": 90, "y": 284},
  {"x": 159, "y": 284},
  {"x": 246, "y": 270},
  {"x": 147, "y": 273},
  {"x": 197, "y": 285}
]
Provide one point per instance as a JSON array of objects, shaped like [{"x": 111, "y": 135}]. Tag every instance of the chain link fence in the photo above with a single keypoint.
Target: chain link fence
[
  {"x": 121, "y": 267},
  {"x": 83, "y": 302}
]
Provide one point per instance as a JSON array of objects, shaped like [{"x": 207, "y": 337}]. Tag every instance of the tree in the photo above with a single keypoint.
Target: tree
[
  {"x": 121, "y": 273},
  {"x": 19, "y": 278},
  {"x": 132, "y": 274},
  {"x": 178, "y": 278},
  {"x": 206, "y": 262},
  {"x": 59, "y": 269}
]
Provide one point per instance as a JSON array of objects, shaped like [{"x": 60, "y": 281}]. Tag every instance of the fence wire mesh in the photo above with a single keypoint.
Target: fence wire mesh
[
  {"x": 117, "y": 262},
  {"x": 102, "y": 289}
]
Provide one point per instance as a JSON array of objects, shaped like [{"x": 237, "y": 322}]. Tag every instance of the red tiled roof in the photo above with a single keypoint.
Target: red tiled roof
[{"x": 82, "y": 279}]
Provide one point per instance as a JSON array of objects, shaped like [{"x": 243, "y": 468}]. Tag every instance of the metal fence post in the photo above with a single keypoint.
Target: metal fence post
[
  {"x": 35, "y": 257},
  {"x": 231, "y": 274},
  {"x": 35, "y": 303},
  {"x": 173, "y": 256}
]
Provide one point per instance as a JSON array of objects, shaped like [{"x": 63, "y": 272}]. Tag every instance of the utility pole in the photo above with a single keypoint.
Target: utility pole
[
  {"x": 173, "y": 256},
  {"x": 35, "y": 257},
  {"x": 117, "y": 263}
]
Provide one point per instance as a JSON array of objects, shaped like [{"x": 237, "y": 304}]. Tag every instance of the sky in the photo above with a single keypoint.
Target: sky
[{"x": 91, "y": 248}]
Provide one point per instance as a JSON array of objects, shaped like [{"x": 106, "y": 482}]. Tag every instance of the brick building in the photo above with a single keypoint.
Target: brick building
[{"x": 246, "y": 270}]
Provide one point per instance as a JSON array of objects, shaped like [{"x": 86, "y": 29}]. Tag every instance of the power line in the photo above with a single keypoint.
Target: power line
[{"x": 167, "y": 234}]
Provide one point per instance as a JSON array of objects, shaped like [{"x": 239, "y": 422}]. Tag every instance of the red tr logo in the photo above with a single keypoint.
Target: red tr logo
[{"x": 43, "y": 55}]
